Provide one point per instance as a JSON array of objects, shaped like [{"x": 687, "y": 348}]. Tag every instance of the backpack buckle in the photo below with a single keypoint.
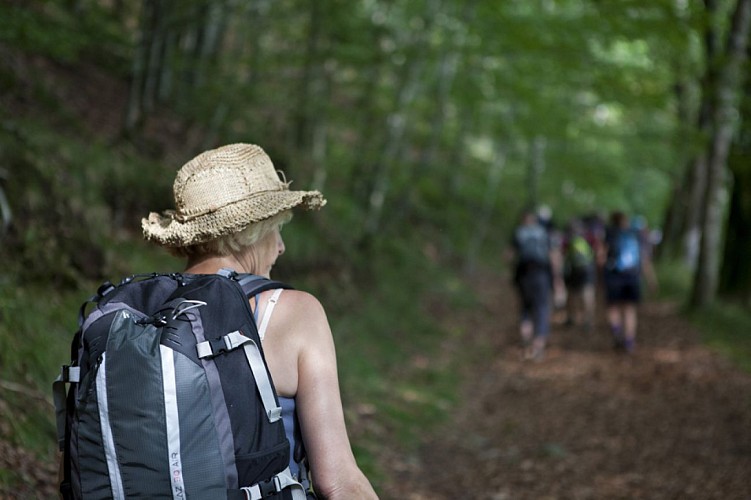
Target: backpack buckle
[
  {"x": 270, "y": 487},
  {"x": 218, "y": 346},
  {"x": 105, "y": 288}
]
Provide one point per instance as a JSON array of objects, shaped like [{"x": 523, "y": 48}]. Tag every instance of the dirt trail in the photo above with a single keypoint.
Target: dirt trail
[{"x": 672, "y": 421}]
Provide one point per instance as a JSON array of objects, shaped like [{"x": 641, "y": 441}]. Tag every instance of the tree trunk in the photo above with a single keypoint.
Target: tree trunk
[
  {"x": 308, "y": 81},
  {"x": 319, "y": 147},
  {"x": 534, "y": 170},
  {"x": 735, "y": 273},
  {"x": 397, "y": 126},
  {"x": 735, "y": 276},
  {"x": 134, "y": 111},
  {"x": 447, "y": 70},
  {"x": 156, "y": 51},
  {"x": 724, "y": 123},
  {"x": 684, "y": 215},
  {"x": 485, "y": 219},
  {"x": 445, "y": 77}
]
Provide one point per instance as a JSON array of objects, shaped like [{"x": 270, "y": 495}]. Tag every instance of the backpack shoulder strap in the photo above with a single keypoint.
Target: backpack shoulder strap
[{"x": 253, "y": 284}]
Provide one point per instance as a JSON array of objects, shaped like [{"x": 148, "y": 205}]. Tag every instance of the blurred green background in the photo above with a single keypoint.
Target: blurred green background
[{"x": 429, "y": 125}]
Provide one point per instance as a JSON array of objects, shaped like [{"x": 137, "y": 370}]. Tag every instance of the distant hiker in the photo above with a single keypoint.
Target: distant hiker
[
  {"x": 626, "y": 259},
  {"x": 579, "y": 275},
  {"x": 533, "y": 278},
  {"x": 555, "y": 235}
]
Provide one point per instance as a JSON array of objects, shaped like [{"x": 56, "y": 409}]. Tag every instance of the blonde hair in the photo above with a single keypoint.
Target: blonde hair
[{"x": 235, "y": 242}]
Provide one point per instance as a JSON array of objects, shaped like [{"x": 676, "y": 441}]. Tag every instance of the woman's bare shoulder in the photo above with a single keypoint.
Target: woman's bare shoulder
[
  {"x": 302, "y": 302},
  {"x": 301, "y": 311}
]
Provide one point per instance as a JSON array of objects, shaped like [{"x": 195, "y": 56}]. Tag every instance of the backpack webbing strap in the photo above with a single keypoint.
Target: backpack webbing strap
[
  {"x": 230, "y": 342},
  {"x": 68, "y": 374},
  {"x": 274, "y": 485}
]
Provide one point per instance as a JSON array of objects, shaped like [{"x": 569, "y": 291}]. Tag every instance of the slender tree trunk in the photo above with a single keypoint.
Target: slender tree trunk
[
  {"x": 684, "y": 216},
  {"x": 428, "y": 154},
  {"x": 235, "y": 80},
  {"x": 397, "y": 126},
  {"x": 156, "y": 51},
  {"x": 134, "y": 112},
  {"x": 485, "y": 219},
  {"x": 319, "y": 147},
  {"x": 735, "y": 273},
  {"x": 303, "y": 115},
  {"x": 730, "y": 74},
  {"x": 213, "y": 26},
  {"x": 694, "y": 213},
  {"x": 735, "y": 276},
  {"x": 534, "y": 170},
  {"x": 367, "y": 138}
]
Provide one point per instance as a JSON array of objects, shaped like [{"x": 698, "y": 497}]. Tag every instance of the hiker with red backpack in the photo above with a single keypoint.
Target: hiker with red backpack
[
  {"x": 213, "y": 382},
  {"x": 626, "y": 260}
]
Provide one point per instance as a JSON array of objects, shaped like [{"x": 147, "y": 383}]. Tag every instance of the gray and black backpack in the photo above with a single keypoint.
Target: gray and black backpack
[
  {"x": 532, "y": 244},
  {"x": 170, "y": 395}
]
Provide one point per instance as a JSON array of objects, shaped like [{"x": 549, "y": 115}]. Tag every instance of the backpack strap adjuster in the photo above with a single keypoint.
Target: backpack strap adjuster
[
  {"x": 70, "y": 374},
  {"x": 274, "y": 486},
  {"x": 271, "y": 487},
  {"x": 217, "y": 346},
  {"x": 105, "y": 288}
]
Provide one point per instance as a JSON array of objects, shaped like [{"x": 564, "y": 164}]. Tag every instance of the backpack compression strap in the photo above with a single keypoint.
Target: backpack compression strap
[
  {"x": 274, "y": 485},
  {"x": 232, "y": 341}
]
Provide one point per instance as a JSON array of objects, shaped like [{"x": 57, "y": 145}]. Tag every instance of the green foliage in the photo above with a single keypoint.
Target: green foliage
[
  {"x": 394, "y": 355},
  {"x": 35, "y": 333},
  {"x": 674, "y": 278},
  {"x": 725, "y": 328},
  {"x": 724, "y": 325},
  {"x": 70, "y": 201},
  {"x": 431, "y": 107},
  {"x": 52, "y": 28}
]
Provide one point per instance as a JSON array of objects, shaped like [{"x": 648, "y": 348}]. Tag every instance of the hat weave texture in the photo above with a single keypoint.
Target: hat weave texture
[{"x": 222, "y": 191}]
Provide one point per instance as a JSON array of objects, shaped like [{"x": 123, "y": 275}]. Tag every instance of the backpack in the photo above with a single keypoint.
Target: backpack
[
  {"x": 170, "y": 395},
  {"x": 532, "y": 244},
  {"x": 579, "y": 254},
  {"x": 625, "y": 252}
]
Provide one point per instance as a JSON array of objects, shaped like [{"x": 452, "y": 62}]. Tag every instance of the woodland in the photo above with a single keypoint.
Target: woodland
[{"x": 429, "y": 125}]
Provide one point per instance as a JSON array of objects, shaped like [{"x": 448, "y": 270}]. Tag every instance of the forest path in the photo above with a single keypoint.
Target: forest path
[{"x": 673, "y": 421}]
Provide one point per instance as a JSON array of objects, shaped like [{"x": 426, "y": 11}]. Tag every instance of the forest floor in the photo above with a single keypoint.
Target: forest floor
[{"x": 672, "y": 421}]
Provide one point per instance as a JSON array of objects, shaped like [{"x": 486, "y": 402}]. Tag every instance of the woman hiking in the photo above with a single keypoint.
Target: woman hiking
[{"x": 230, "y": 208}]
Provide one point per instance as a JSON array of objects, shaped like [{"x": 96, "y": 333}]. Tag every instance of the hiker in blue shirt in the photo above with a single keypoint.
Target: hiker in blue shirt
[
  {"x": 626, "y": 260},
  {"x": 231, "y": 205},
  {"x": 533, "y": 278}
]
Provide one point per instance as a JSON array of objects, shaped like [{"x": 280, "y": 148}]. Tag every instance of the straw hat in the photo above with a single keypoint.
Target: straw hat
[{"x": 222, "y": 191}]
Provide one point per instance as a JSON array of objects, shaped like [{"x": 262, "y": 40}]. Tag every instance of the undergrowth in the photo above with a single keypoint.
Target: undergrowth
[
  {"x": 395, "y": 383},
  {"x": 724, "y": 325}
]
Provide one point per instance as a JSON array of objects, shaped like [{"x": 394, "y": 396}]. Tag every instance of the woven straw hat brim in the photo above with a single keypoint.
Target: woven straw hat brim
[{"x": 166, "y": 230}]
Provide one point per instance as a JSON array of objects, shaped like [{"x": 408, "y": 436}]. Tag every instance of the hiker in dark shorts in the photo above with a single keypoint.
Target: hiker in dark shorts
[
  {"x": 533, "y": 278},
  {"x": 626, "y": 259},
  {"x": 230, "y": 207}
]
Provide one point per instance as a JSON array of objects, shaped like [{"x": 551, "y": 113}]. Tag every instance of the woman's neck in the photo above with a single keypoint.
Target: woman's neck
[{"x": 213, "y": 263}]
